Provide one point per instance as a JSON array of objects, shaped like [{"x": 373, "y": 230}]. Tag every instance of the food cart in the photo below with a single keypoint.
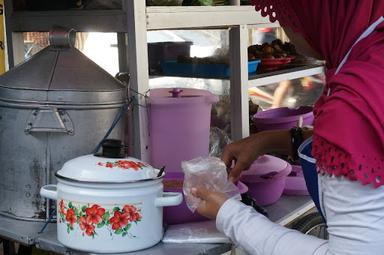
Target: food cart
[{"x": 134, "y": 19}]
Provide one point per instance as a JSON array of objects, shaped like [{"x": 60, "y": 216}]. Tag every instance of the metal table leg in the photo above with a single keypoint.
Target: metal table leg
[
  {"x": 9, "y": 248},
  {"x": 24, "y": 250}
]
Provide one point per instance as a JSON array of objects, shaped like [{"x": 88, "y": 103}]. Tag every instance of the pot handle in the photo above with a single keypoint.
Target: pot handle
[
  {"x": 169, "y": 199},
  {"x": 49, "y": 191}
]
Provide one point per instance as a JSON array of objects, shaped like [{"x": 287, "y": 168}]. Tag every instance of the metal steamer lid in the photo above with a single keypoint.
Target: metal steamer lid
[
  {"x": 60, "y": 74},
  {"x": 108, "y": 167}
]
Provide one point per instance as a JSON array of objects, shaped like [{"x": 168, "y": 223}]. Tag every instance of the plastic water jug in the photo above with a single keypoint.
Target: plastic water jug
[{"x": 179, "y": 121}]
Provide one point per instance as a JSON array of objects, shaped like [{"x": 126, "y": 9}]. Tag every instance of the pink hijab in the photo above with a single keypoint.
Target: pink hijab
[{"x": 349, "y": 124}]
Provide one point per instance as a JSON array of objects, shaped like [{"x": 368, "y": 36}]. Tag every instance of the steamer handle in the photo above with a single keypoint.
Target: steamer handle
[
  {"x": 49, "y": 120},
  {"x": 169, "y": 199},
  {"x": 49, "y": 191}
]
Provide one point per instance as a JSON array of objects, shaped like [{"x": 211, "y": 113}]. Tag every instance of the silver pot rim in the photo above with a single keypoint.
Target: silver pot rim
[{"x": 107, "y": 182}]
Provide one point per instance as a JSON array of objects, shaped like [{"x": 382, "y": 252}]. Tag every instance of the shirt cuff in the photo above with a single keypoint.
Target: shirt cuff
[{"x": 226, "y": 211}]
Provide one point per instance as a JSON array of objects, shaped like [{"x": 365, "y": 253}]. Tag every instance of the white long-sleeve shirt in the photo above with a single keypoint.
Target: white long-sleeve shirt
[{"x": 355, "y": 219}]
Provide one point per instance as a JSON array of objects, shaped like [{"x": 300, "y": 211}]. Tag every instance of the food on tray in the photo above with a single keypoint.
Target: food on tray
[
  {"x": 276, "y": 49},
  {"x": 273, "y": 55}
]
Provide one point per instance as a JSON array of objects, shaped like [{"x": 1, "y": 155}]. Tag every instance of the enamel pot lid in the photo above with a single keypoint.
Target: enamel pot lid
[
  {"x": 266, "y": 167},
  {"x": 107, "y": 167}
]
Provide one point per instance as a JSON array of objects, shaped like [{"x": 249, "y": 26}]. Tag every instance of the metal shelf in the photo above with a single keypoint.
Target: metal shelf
[
  {"x": 289, "y": 208},
  {"x": 267, "y": 78},
  {"x": 81, "y": 20},
  {"x": 203, "y": 17},
  {"x": 283, "y": 75},
  {"x": 157, "y": 18}
]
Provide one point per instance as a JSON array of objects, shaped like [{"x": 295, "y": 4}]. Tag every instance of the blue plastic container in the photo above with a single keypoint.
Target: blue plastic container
[
  {"x": 308, "y": 164},
  {"x": 173, "y": 68}
]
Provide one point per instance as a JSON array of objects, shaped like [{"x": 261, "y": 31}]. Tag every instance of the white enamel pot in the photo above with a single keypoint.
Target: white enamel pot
[{"x": 119, "y": 214}]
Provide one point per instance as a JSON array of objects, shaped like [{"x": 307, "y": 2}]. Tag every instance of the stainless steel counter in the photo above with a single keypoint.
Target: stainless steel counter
[{"x": 284, "y": 211}]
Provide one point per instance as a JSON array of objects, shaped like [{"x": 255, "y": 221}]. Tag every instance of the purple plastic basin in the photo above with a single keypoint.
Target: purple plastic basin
[
  {"x": 266, "y": 179},
  {"x": 282, "y": 118},
  {"x": 295, "y": 183},
  {"x": 173, "y": 182}
]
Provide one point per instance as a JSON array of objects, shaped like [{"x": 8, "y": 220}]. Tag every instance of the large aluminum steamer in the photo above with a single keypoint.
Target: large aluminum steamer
[{"x": 54, "y": 107}]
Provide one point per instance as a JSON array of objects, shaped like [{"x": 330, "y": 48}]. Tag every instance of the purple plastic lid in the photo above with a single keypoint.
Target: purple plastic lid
[
  {"x": 266, "y": 168},
  {"x": 181, "y": 96}
]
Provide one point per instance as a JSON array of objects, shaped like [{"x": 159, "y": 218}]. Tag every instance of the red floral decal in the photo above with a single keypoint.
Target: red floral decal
[
  {"x": 124, "y": 164},
  {"x": 86, "y": 226},
  {"x": 119, "y": 220},
  {"x": 70, "y": 216},
  {"x": 132, "y": 212},
  {"x": 94, "y": 214},
  {"x": 61, "y": 207},
  {"x": 92, "y": 217}
]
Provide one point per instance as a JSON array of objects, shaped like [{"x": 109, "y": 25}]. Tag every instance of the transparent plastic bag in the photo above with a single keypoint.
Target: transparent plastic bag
[
  {"x": 194, "y": 232},
  {"x": 209, "y": 172},
  {"x": 218, "y": 139}
]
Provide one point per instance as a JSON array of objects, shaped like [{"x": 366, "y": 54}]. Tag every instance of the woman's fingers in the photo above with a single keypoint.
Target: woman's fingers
[
  {"x": 235, "y": 173},
  {"x": 200, "y": 192},
  {"x": 227, "y": 156},
  {"x": 212, "y": 201}
]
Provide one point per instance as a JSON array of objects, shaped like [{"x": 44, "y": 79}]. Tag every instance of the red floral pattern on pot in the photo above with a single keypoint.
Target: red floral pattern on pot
[
  {"x": 91, "y": 217},
  {"x": 124, "y": 164}
]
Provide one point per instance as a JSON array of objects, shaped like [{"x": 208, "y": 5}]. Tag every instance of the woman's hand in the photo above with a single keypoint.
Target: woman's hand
[
  {"x": 247, "y": 150},
  {"x": 212, "y": 201},
  {"x": 243, "y": 153}
]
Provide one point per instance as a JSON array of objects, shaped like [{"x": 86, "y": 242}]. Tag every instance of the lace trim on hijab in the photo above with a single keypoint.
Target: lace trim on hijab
[
  {"x": 279, "y": 10},
  {"x": 334, "y": 161}
]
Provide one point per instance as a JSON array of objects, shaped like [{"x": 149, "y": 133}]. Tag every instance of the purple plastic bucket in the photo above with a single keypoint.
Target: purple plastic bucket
[
  {"x": 282, "y": 118},
  {"x": 179, "y": 124},
  {"x": 266, "y": 179},
  {"x": 173, "y": 182}
]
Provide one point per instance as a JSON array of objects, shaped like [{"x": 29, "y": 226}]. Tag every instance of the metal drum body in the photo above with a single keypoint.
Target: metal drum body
[{"x": 56, "y": 106}]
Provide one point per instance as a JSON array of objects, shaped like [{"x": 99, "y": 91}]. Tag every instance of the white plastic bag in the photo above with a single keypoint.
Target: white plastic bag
[{"x": 210, "y": 173}]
